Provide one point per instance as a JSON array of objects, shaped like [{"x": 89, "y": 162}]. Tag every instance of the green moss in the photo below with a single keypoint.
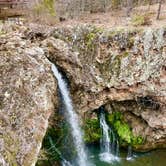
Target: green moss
[
  {"x": 10, "y": 158},
  {"x": 131, "y": 41},
  {"x": 138, "y": 20},
  {"x": 116, "y": 32},
  {"x": 92, "y": 130},
  {"x": 2, "y": 32},
  {"x": 116, "y": 63},
  {"x": 89, "y": 39},
  {"x": 125, "y": 54},
  {"x": 116, "y": 4},
  {"x": 123, "y": 130}
]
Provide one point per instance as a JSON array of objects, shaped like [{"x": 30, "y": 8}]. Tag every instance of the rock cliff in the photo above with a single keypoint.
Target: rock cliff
[{"x": 121, "y": 68}]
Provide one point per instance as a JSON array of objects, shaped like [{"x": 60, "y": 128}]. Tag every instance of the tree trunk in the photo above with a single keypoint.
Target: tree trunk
[
  {"x": 129, "y": 7},
  {"x": 159, "y": 10},
  {"x": 150, "y": 3}
]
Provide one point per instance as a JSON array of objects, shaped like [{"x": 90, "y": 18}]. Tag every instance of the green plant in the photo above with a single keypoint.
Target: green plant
[
  {"x": 92, "y": 130},
  {"x": 52, "y": 145},
  {"x": 49, "y": 4},
  {"x": 115, "y": 4},
  {"x": 46, "y": 6},
  {"x": 123, "y": 130},
  {"x": 50, "y": 152},
  {"x": 138, "y": 20},
  {"x": 89, "y": 39}
]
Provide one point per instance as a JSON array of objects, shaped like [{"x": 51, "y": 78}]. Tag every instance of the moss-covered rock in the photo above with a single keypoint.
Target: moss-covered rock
[{"x": 123, "y": 130}]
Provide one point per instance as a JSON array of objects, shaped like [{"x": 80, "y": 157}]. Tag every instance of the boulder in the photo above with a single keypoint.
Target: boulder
[{"x": 27, "y": 98}]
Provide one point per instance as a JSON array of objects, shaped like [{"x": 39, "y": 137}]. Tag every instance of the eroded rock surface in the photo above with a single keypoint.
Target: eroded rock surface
[
  {"x": 123, "y": 70},
  {"x": 27, "y": 98},
  {"x": 106, "y": 66}
]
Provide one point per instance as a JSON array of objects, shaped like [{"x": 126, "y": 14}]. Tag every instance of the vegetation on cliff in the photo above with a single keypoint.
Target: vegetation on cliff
[{"x": 123, "y": 130}]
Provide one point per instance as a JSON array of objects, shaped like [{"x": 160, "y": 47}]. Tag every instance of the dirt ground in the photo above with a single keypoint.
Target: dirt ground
[
  {"x": 118, "y": 18},
  {"x": 110, "y": 19}
]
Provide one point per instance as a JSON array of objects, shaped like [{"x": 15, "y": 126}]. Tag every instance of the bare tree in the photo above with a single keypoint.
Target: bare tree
[
  {"x": 150, "y": 3},
  {"x": 159, "y": 9},
  {"x": 129, "y": 7}
]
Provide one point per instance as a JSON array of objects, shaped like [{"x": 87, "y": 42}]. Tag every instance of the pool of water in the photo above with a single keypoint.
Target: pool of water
[{"x": 153, "y": 158}]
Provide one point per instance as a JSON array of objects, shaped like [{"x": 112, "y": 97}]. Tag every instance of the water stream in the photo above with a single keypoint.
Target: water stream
[
  {"x": 154, "y": 158},
  {"x": 129, "y": 153},
  {"x": 72, "y": 119},
  {"x": 108, "y": 150}
]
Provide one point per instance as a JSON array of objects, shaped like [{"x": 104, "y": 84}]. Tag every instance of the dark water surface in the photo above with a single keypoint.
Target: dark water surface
[{"x": 153, "y": 158}]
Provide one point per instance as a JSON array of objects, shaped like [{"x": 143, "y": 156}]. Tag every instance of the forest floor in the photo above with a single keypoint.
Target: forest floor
[
  {"x": 110, "y": 19},
  {"x": 119, "y": 19}
]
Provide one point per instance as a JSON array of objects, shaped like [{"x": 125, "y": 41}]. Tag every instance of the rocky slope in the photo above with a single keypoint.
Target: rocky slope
[
  {"x": 112, "y": 67},
  {"x": 27, "y": 98}
]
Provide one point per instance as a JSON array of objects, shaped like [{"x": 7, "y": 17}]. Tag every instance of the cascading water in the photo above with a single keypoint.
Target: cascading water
[
  {"x": 65, "y": 163},
  {"x": 129, "y": 154},
  {"x": 105, "y": 140},
  {"x": 73, "y": 121},
  {"x": 105, "y": 144}
]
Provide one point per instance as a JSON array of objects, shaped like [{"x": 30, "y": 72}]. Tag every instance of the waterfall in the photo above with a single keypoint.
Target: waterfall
[
  {"x": 129, "y": 154},
  {"x": 73, "y": 120},
  {"x": 65, "y": 163},
  {"x": 105, "y": 140},
  {"x": 106, "y": 154}
]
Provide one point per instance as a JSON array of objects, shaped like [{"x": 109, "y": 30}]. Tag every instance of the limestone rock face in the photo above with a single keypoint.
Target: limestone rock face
[
  {"x": 107, "y": 66},
  {"x": 27, "y": 98},
  {"x": 123, "y": 70}
]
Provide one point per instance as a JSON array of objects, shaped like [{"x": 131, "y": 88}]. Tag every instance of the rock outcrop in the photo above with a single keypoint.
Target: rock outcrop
[
  {"x": 115, "y": 67},
  {"x": 122, "y": 70},
  {"x": 27, "y": 98}
]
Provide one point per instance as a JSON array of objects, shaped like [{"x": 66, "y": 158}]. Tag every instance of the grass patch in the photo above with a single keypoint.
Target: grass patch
[{"x": 141, "y": 20}]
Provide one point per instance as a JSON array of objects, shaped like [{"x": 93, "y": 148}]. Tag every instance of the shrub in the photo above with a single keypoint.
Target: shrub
[
  {"x": 46, "y": 6},
  {"x": 138, "y": 20},
  {"x": 92, "y": 130}
]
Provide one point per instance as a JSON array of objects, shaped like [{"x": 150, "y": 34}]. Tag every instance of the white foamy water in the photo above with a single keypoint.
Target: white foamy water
[
  {"x": 72, "y": 118},
  {"x": 66, "y": 163},
  {"x": 105, "y": 143},
  {"x": 129, "y": 154}
]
